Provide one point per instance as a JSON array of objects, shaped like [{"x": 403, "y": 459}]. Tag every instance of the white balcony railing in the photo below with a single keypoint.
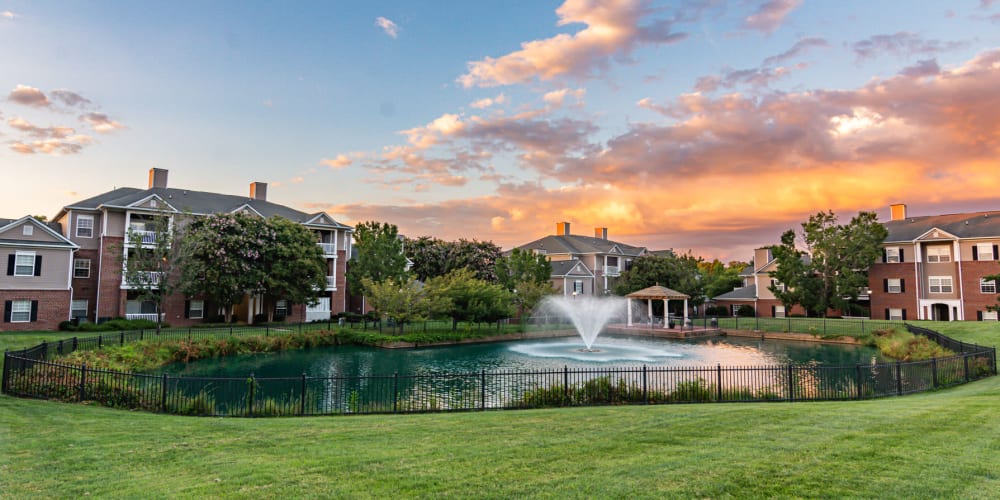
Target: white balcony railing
[
  {"x": 331, "y": 282},
  {"x": 150, "y": 316},
  {"x": 151, "y": 278},
  {"x": 142, "y": 236},
  {"x": 328, "y": 248},
  {"x": 611, "y": 271}
]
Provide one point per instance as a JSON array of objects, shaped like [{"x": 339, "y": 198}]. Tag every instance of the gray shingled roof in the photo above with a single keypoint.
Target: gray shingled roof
[
  {"x": 564, "y": 267},
  {"x": 970, "y": 225},
  {"x": 195, "y": 202},
  {"x": 578, "y": 245},
  {"x": 745, "y": 293},
  {"x": 54, "y": 226}
]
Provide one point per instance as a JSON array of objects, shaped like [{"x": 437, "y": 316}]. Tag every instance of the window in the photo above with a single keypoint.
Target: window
[
  {"x": 939, "y": 253},
  {"x": 24, "y": 264},
  {"x": 777, "y": 285},
  {"x": 196, "y": 309},
  {"x": 84, "y": 226},
  {"x": 892, "y": 254},
  {"x": 989, "y": 286},
  {"x": 894, "y": 285},
  {"x": 20, "y": 311},
  {"x": 940, "y": 284},
  {"x": 81, "y": 268},
  {"x": 989, "y": 316},
  {"x": 78, "y": 309},
  {"x": 281, "y": 309},
  {"x": 736, "y": 309},
  {"x": 896, "y": 314},
  {"x": 779, "y": 311},
  {"x": 983, "y": 251},
  {"x": 27, "y": 230},
  {"x": 578, "y": 287}
]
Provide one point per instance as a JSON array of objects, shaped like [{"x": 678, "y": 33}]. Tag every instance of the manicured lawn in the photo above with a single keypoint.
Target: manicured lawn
[
  {"x": 984, "y": 333},
  {"x": 933, "y": 445}
]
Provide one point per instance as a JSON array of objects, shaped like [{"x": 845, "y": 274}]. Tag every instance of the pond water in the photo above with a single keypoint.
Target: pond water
[{"x": 527, "y": 355}]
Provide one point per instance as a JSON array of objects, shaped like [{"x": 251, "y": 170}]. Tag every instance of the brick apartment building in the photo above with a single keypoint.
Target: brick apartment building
[
  {"x": 90, "y": 239},
  {"x": 35, "y": 286}
]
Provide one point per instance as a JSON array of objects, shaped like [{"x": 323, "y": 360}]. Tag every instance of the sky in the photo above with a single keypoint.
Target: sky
[{"x": 701, "y": 125}]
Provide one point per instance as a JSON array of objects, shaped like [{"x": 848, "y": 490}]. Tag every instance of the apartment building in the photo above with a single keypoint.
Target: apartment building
[
  {"x": 935, "y": 267},
  {"x": 756, "y": 290},
  {"x": 584, "y": 265},
  {"x": 105, "y": 227},
  {"x": 36, "y": 290}
]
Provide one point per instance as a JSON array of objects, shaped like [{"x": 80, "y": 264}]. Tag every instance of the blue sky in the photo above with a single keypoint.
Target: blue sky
[{"x": 702, "y": 125}]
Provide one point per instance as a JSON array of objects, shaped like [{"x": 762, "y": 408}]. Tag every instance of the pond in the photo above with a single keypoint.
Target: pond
[{"x": 527, "y": 355}]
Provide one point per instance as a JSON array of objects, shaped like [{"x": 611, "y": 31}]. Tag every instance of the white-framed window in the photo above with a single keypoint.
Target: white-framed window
[
  {"x": 736, "y": 309},
  {"x": 20, "y": 311},
  {"x": 281, "y": 308},
  {"x": 24, "y": 263},
  {"x": 892, "y": 254},
  {"x": 984, "y": 251},
  {"x": 896, "y": 314},
  {"x": 989, "y": 316},
  {"x": 577, "y": 287},
  {"x": 779, "y": 311},
  {"x": 540, "y": 251},
  {"x": 78, "y": 309},
  {"x": 987, "y": 286},
  {"x": 777, "y": 285},
  {"x": 894, "y": 285},
  {"x": 27, "y": 230},
  {"x": 940, "y": 284},
  {"x": 84, "y": 226},
  {"x": 196, "y": 309},
  {"x": 939, "y": 253},
  {"x": 81, "y": 268}
]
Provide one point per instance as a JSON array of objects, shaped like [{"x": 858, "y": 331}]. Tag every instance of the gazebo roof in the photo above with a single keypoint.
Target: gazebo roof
[{"x": 658, "y": 292}]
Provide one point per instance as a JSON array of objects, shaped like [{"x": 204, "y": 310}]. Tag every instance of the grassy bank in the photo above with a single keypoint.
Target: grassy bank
[{"x": 940, "y": 444}]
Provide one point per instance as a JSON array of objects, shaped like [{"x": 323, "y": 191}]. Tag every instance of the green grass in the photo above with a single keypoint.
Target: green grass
[
  {"x": 984, "y": 333},
  {"x": 936, "y": 445}
]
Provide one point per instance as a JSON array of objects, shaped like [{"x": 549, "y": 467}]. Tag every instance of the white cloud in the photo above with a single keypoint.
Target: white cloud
[
  {"x": 7, "y": 14},
  {"x": 390, "y": 28}
]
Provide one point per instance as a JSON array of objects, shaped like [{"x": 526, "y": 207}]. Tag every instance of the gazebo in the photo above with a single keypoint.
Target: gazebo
[{"x": 657, "y": 292}]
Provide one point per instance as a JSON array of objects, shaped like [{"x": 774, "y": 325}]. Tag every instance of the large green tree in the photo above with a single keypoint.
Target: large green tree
[
  {"x": 432, "y": 257},
  {"x": 402, "y": 301},
  {"x": 469, "y": 298},
  {"x": 678, "y": 272},
  {"x": 831, "y": 267},
  {"x": 379, "y": 256},
  {"x": 294, "y": 265},
  {"x": 527, "y": 276},
  {"x": 718, "y": 278}
]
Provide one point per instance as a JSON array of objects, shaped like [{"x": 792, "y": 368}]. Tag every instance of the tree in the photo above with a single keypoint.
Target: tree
[
  {"x": 428, "y": 255},
  {"x": 433, "y": 257},
  {"x": 832, "y": 268},
  {"x": 527, "y": 276},
  {"x": 677, "y": 272},
  {"x": 150, "y": 263},
  {"x": 294, "y": 266},
  {"x": 380, "y": 256},
  {"x": 400, "y": 301},
  {"x": 469, "y": 298},
  {"x": 222, "y": 258},
  {"x": 719, "y": 278}
]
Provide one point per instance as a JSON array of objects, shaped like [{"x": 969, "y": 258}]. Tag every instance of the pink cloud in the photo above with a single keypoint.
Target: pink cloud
[
  {"x": 28, "y": 96},
  {"x": 771, "y": 15},
  {"x": 390, "y": 28},
  {"x": 101, "y": 123},
  {"x": 613, "y": 29}
]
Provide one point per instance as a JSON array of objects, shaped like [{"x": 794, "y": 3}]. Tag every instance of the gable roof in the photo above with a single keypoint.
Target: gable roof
[
  {"x": 194, "y": 202},
  {"x": 970, "y": 225},
  {"x": 579, "y": 245},
  {"x": 743, "y": 293},
  {"x": 567, "y": 268},
  {"x": 53, "y": 229},
  {"x": 658, "y": 292}
]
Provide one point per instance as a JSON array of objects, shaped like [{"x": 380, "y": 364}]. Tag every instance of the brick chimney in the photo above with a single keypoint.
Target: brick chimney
[
  {"x": 601, "y": 233},
  {"x": 562, "y": 228},
  {"x": 157, "y": 178},
  {"x": 897, "y": 212},
  {"x": 258, "y": 191}
]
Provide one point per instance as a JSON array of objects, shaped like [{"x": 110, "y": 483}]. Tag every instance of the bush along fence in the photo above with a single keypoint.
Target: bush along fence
[{"x": 32, "y": 373}]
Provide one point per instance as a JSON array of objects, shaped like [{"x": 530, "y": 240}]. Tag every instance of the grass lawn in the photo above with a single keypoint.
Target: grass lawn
[{"x": 943, "y": 444}]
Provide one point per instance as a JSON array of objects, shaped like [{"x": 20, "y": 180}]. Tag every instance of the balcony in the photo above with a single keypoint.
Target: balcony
[
  {"x": 611, "y": 271},
  {"x": 328, "y": 248},
  {"x": 149, "y": 317},
  {"x": 331, "y": 282},
  {"x": 151, "y": 278},
  {"x": 141, "y": 236}
]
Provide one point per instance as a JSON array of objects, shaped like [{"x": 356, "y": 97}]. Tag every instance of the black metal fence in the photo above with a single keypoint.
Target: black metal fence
[{"x": 31, "y": 373}]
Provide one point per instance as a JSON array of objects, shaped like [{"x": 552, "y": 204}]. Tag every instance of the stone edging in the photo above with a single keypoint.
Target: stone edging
[{"x": 804, "y": 337}]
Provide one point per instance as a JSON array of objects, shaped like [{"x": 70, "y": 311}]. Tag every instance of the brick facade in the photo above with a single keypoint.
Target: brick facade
[
  {"x": 53, "y": 308},
  {"x": 111, "y": 302},
  {"x": 881, "y": 301},
  {"x": 974, "y": 300}
]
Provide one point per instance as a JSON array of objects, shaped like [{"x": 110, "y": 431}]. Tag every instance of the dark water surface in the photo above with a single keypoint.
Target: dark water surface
[{"x": 527, "y": 355}]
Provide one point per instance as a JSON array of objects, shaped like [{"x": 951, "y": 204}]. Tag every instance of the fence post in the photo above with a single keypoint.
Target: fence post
[
  {"x": 252, "y": 381},
  {"x": 6, "y": 371},
  {"x": 74, "y": 344},
  {"x": 857, "y": 379},
  {"x": 163, "y": 394},
  {"x": 189, "y": 334},
  {"x": 121, "y": 338},
  {"x": 482, "y": 386},
  {"x": 965, "y": 358},
  {"x": 824, "y": 325},
  {"x": 899, "y": 378},
  {"x": 566, "y": 383},
  {"x": 59, "y": 348},
  {"x": 83, "y": 381},
  {"x": 645, "y": 390},
  {"x": 791, "y": 385},
  {"x": 718, "y": 382},
  {"x": 45, "y": 350},
  {"x": 302, "y": 403},
  {"x": 934, "y": 371},
  {"x": 142, "y": 334},
  {"x": 100, "y": 341}
]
